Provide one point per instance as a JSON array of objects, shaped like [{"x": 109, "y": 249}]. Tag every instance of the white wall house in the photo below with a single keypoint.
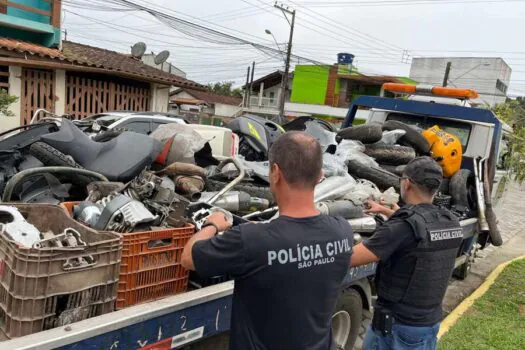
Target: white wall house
[{"x": 490, "y": 77}]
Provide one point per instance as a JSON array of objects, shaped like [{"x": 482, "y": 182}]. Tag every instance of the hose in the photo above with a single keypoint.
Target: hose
[{"x": 19, "y": 177}]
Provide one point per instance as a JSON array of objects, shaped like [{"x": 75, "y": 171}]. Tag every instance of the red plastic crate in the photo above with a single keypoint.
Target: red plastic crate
[{"x": 150, "y": 266}]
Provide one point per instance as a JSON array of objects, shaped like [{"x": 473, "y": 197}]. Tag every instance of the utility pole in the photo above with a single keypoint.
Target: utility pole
[
  {"x": 284, "y": 81},
  {"x": 246, "y": 87},
  {"x": 447, "y": 73},
  {"x": 251, "y": 85}
]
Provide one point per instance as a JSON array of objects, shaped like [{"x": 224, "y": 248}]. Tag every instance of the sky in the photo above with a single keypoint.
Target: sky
[{"x": 383, "y": 34}]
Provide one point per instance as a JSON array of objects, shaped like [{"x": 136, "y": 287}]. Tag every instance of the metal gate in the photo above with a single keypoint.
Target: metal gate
[
  {"x": 87, "y": 96},
  {"x": 37, "y": 92}
]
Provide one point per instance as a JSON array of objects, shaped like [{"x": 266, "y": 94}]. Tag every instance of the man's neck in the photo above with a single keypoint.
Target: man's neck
[
  {"x": 416, "y": 200},
  {"x": 298, "y": 204}
]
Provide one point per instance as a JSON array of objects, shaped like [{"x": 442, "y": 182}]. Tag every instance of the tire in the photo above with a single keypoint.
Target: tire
[
  {"x": 253, "y": 190},
  {"x": 412, "y": 138},
  {"x": 390, "y": 154},
  {"x": 444, "y": 188},
  {"x": 366, "y": 133},
  {"x": 462, "y": 189},
  {"x": 50, "y": 156},
  {"x": 394, "y": 169},
  {"x": 350, "y": 302},
  {"x": 382, "y": 178}
]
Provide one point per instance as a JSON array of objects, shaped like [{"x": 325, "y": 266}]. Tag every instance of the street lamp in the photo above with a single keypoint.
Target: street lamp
[{"x": 269, "y": 32}]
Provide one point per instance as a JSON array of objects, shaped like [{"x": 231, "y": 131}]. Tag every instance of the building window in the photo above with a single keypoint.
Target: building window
[
  {"x": 501, "y": 86},
  {"x": 272, "y": 96},
  {"x": 4, "y": 78}
]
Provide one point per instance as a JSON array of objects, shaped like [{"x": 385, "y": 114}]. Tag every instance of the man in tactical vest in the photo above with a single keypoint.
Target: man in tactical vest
[{"x": 416, "y": 249}]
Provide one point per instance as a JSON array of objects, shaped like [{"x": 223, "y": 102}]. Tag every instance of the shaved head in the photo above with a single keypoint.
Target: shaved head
[{"x": 299, "y": 157}]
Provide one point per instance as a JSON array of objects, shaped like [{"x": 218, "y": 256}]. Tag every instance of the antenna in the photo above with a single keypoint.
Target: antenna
[
  {"x": 162, "y": 57},
  {"x": 138, "y": 49}
]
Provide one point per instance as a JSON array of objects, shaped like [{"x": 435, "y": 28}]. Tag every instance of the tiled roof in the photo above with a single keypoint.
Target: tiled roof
[
  {"x": 85, "y": 55},
  {"x": 212, "y": 97}
]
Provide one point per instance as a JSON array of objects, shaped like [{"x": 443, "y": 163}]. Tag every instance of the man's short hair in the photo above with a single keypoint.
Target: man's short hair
[
  {"x": 300, "y": 158},
  {"x": 425, "y": 173}
]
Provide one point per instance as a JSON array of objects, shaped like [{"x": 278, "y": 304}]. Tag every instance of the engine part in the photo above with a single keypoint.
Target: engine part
[
  {"x": 178, "y": 168},
  {"x": 344, "y": 208},
  {"x": 237, "y": 201},
  {"x": 492, "y": 221},
  {"x": 143, "y": 186},
  {"x": 333, "y": 187},
  {"x": 363, "y": 225},
  {"x": 232, "y": 184},
  {"x": 189, "y": 185},
  {"x": 122, "y": 214},
  {"x": 87, "y": 213},
  {"x": 199, "y": 217},
  {"x": 99, "y": 189},
  {"x": 14, "y": 226}
]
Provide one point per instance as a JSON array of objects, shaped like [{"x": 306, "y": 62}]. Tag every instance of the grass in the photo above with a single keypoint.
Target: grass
[{"x": 497, "y": 319}]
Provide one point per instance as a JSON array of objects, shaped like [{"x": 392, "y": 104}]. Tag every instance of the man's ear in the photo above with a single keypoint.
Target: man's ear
[{"x": 275, "y": 173}]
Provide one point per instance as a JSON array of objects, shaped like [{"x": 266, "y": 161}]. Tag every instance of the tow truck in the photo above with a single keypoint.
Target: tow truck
[{"x": 200, "y": 319}]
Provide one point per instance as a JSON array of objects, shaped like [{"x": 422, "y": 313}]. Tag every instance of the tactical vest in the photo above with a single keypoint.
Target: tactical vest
[{"x": 417, "y": 280}]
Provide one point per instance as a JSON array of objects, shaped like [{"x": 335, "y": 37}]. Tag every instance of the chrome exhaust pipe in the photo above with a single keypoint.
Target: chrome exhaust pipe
[{"x": 480, "y": 194}]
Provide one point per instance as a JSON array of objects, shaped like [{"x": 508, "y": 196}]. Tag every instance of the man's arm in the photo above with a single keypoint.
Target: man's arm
[
  {"x": 380, "y": 208},
  {"x": 221, "y": 224},
  {"x": 361, "y": 255}
]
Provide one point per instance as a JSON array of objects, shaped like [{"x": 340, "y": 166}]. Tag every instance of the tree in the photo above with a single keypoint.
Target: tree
[
  {"x": 512, "y": 112},
  {"x": 5, "y": 101},
  {"x": 225, "y": 88}
]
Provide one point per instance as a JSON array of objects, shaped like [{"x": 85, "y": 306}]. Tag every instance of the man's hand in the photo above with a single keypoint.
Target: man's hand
[
  {"x": 220, "y": 220},
  {"x": 381, "y": 208}
]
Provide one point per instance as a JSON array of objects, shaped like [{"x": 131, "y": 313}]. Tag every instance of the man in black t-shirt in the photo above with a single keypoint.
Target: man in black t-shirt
[
  {"x": 416, "y": 249},
  {"x": 288, "y": 272}
]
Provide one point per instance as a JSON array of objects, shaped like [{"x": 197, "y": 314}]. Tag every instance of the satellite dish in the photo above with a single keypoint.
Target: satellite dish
[
  {"x": 138, "y": 49},
  {"x": 162, "y": 57}
]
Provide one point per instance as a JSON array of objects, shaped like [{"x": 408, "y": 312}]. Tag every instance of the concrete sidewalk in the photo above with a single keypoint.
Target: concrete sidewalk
[{"x": 511, "y": 222}]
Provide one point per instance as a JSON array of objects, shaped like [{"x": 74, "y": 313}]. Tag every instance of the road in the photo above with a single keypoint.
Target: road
[{"x": 511, "y": 225}]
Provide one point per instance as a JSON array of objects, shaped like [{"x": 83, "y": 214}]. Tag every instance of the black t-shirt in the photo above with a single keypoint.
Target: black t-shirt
[{"x": 288, "y": 274}]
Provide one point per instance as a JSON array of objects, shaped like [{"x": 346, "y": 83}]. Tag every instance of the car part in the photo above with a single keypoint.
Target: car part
[
  {"x": 412, "y": 137},
  {"x": 122, "y": 213},
  {"x": 366, "y": 133},
  {"x": 333, "y": 187},
  {"x": 445, "y": 148},
  {"x": 382, "y": 178},
  {"x": 299, "y": 124},
  {"x": 492, "y": 221},
  {"x": 343, "y": 208},
  {"x": 346, "y": 321},
  {"x": 178, "y": 168},
  {"x": 190, "y": 186},
  {"x": 236, "y": 201},
  {"x": 50, "y": 156},
  {"x": 87, "y": 213},
  {"x": 390, "y": 154},
  {"x": 253, "y": 189},
  {"x": 256, "y": 136},
  {"x": 363, "y": 225},
  {"x": 100, "y": 189},
  {"x": 18, "y": 178},
  {"x": 480, "y": 194},
  {"x": 26, "y": 137},
  {"x": 13, "y": 225},
  {"x": 120, "y": 159}
]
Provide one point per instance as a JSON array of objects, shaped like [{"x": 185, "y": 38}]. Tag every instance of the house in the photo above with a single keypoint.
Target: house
[
  {"x": 196, "y": 104},
  {"x": 489, "y": 76},
  {"x": 323, "y": 91},
  {"x": 72, "y": 78}
]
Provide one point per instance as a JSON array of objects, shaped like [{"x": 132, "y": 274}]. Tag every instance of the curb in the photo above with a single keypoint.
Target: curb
[{"x": 456, "y": 314}]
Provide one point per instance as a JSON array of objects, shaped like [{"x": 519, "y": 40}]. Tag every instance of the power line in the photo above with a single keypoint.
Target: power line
[{"x": 373, "y": 3}]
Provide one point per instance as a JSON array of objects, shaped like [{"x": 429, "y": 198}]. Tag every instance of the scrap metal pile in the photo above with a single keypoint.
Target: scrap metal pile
[{"x": 136, "y": 182}]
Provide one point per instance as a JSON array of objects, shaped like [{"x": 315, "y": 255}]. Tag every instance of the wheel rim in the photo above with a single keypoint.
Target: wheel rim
[{"x": 341, "y": 324}]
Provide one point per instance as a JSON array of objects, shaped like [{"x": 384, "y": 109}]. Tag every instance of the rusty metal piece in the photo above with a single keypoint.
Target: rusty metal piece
[
  {"x": 176, "y": 169},
  {"x": 98, "y": 190},
  {"x": 189, "y": 185}
]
